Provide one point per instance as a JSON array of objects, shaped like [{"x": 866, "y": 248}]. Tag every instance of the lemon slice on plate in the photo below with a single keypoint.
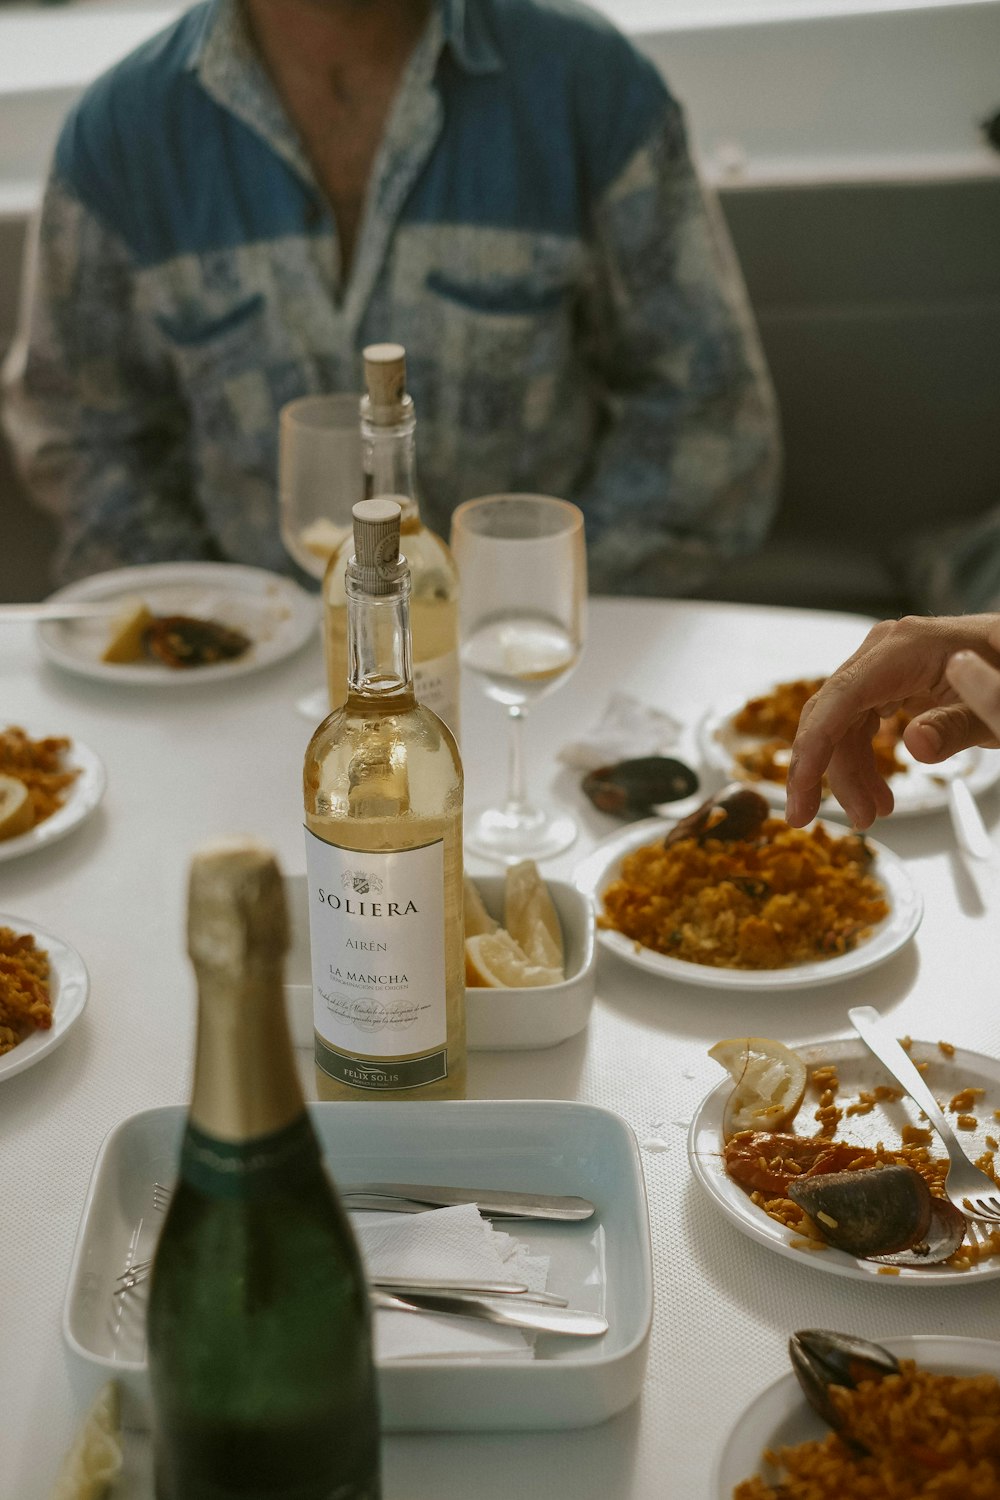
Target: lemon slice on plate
[
  {"x": 493, "y": 960},
  {"x": 16, "y": 812},
  {"x": 477, "y": 918},
  {"x": 770, "y": 1082}
]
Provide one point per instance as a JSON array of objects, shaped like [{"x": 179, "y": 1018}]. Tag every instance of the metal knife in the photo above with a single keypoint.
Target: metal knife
[
  {"x": 509, "y": 1312},
  {"x": 402, "y": 1287},
  {"x": 414, "y": 1197}
]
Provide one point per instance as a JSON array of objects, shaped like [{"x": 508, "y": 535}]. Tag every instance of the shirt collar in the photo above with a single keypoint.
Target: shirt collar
[
  {"x": 464, "y": 26},
  {"x": 468, "y": 34}
]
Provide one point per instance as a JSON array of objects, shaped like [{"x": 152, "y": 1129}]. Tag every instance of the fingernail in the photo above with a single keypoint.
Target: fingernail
[{"x": 934, "y": 737}]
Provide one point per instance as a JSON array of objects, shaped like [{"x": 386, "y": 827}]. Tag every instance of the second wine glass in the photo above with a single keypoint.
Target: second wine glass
[{"x": 523, "y": 570}]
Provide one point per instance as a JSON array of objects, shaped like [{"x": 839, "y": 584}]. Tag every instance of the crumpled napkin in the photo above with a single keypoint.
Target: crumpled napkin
[
  {"x": 447, "y": 1242},
  {"x": 627, "y": 729}
]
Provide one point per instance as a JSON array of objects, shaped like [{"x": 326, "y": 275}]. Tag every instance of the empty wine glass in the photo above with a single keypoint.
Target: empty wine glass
[
  {"x": 523, "y": 596},
  {"x": 320, "y": 476}
]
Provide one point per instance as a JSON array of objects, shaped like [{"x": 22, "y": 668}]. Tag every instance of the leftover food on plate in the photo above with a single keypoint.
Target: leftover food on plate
[
  {"x": 25, "y": 1001},
  {"x": 39, "y": 767},
  {"x": 773, "y": 719},
  {"x": 884, "y": 1202},
  {"x": 732, "y": 887},
  {"x": 897, "y": 1430},
  {"x": 527, "y": 950},
  {"x": 178, "y": 641}
]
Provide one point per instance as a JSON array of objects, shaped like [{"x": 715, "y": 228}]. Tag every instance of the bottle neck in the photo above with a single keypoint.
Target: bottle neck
[
  {"x": 379, "y": 656},
  {"x": 390, "y": 464},
  {"x": 246, "y": 1084}
]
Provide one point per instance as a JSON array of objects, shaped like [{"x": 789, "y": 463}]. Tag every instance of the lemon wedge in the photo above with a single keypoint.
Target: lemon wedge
[
  {"x": 531, "y": 918},
  {"x": 128, "y": 627},
  {"x": 493, "y": 960},
  {"x": 477, "y": 918},
  {"x": 16, "y": 812},
  {"x": 769, "y": 1078}
]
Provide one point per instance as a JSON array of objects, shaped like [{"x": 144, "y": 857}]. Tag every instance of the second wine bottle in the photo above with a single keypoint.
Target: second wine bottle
[{"x": 388, "y": 427}]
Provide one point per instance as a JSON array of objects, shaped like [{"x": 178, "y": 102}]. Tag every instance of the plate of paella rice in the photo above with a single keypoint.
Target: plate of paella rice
[
  {"x": 43, "y": 992},
  {"x": 781, "y": 909},
  {"x": 940, "y": 1417},
  {"x": 750, "y": 740}
]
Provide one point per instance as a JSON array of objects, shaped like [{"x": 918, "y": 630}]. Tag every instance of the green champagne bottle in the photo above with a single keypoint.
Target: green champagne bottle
[{"x": 259, "y": 1330}]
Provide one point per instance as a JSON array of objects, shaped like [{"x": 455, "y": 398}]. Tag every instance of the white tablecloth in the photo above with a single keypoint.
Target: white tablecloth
[{"x": 187, "y": 763}]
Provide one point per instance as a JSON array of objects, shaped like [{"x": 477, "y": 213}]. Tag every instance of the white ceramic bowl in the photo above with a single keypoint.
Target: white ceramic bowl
[
  {"x": 506, "y": 1020},
  {"x": 540, "y": 1015}
]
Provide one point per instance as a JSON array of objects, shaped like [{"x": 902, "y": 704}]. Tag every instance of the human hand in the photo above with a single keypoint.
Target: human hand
[{"x": 900, "y": 664}]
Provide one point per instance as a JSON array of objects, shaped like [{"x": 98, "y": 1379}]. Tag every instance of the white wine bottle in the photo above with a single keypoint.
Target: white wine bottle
[
  {"x": 383, "y": 812},
  {"x": 388, "y": 427},
  {"x": 259, "y": 1333}
]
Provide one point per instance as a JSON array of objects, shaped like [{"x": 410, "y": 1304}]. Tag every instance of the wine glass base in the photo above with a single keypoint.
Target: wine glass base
[{"x": 494, "y": 833}]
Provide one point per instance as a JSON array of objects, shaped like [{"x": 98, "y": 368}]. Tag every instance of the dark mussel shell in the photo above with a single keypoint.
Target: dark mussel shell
[
  {"x": 733, "y": 814},
  {"x": 633, "y": 789},
  {"x": 943, "y": 1236},
  {"x": 821, "y": 1359},
  {"x": 877, "y": 1211}
]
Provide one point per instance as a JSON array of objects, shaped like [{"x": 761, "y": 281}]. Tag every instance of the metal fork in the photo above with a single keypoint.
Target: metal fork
[{"x": 968, "y": 1187}]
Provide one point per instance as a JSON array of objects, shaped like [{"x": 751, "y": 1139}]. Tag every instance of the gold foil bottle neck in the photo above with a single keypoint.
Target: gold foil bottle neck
[
  {"x": 236, "y": 906},
  {"x": 245, "y": 1079}
]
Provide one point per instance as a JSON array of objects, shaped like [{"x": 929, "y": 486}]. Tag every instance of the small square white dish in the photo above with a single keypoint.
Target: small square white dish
[
  {"x": 540, "y": 1015},
  {"x": 603, "y": 1265},
  {"x": 496, "y": 1020}
]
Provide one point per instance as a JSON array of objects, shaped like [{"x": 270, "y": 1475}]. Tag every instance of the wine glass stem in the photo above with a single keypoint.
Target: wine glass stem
[{"x": 517, "y": 801}]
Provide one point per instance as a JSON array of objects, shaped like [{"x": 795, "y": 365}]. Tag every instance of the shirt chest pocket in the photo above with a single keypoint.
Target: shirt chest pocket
[
  {"x": 504, "y": 324},
  {"x": 230, "y": 368}
]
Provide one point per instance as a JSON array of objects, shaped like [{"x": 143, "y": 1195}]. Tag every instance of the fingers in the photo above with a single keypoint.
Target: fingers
[
  {"x": 900, "y": 663},
  {"x": 824, "y": 720},
  {"x": 854, "y": 780},
  {"x": 978, "y": 685},
  {"x": 849, "y": 765}
]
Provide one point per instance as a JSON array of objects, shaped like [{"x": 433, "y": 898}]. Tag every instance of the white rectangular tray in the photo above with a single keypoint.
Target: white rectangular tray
[{"x": 603, "y": 1265}]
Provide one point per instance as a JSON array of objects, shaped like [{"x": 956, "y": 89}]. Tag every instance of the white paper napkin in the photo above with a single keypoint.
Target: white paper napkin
[
  {"x": 627, "y": 729},
  {"x": 447, "y": 1242}
]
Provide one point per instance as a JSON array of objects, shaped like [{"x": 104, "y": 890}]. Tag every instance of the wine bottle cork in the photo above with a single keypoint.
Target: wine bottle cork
[
  {"x": 376, "y": 561},
  {"x": 385, "y": 380}
]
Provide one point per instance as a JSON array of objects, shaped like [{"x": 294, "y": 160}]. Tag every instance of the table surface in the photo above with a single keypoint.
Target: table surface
[{"x": 191, "y": 763}]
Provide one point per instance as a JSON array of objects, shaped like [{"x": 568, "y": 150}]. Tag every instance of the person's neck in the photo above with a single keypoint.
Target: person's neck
[{"x": 312, "y": 34}]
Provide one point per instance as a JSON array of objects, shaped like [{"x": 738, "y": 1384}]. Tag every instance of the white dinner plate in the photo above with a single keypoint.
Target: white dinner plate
[
  {"x": 81, "y": 798},
  {"x": 275, "y": 612},
  {"x": 603, "y": 865},
  {"x": 68, "y": 987},
  {"x": 780, "y": 1417},
  {"x": 857, "y": 1069},
  {"x": 915, "y": 790}
]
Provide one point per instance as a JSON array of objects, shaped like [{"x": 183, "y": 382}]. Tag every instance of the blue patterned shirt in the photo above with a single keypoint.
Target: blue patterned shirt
[{"x": 534, "y": 234}]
